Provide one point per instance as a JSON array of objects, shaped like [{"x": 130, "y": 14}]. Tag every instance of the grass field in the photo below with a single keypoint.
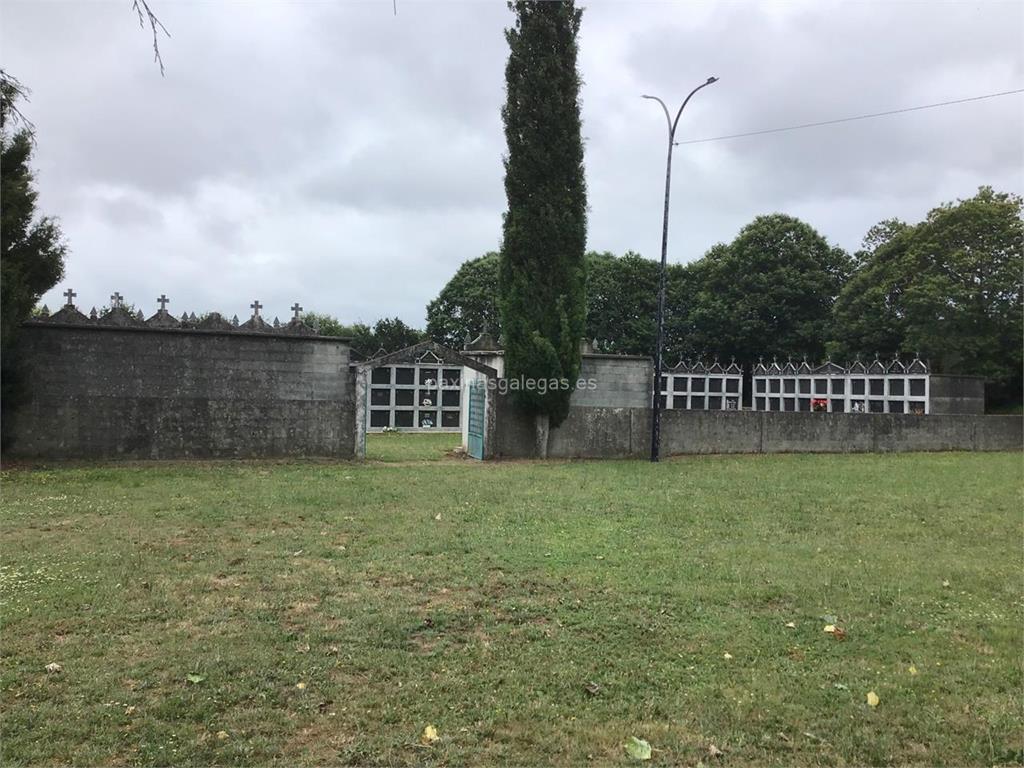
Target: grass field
[
  {"x": 326, "y": 613},
  {"x": 422, "y": 446}
]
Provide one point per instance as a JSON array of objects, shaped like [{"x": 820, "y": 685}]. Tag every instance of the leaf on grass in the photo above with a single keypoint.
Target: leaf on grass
[
  {"x": 592, "y": 688},
  {"x": 53, "y": 668},
  {"x": 195, "y": 679},
  {"x": 301, "y": 686},
  {"x": 726, "y": 655},
  {"x": 429, "y": 735},
  {"x": 714, "y": 751},
  {"x": 791, "y": 624},
  {"x": 222, "y": 735},
  {"x": 912, "y": 670},
  {"x": 830, "y": 628},
  {"x": 637, "y": 749},
  {"x": 872, "y": 699},
  {"x": 437, "y": 516},
  {"x": 839, "y": 634}
]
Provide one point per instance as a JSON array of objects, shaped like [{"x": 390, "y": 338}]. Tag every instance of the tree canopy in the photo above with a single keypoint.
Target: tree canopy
[
  {"x": 390, "y": 334},
  {"x": 949, "y": 287},
  {"x": 542, "y": 273},
  {"x": 467, "y": 303},
  {"x": 767, "y": 293},
  {"x": 622, "y": 300}
]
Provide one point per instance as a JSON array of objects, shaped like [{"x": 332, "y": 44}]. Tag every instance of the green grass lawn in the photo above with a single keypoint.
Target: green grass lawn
[
  {"x": 326, "y": 613},
  {"x": 414, "y": 446}
]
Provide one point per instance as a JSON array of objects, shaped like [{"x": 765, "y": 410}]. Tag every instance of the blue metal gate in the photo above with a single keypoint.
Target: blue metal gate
[{"x": 475, "y": 420}]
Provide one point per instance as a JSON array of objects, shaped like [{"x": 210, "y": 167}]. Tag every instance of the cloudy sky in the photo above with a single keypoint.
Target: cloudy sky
[{"x": 349, "y": 158}]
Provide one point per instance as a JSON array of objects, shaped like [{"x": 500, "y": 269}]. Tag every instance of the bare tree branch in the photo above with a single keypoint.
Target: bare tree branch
[
  {"x": 11, "y": 89},
  {"x": 146, "y": 16}
]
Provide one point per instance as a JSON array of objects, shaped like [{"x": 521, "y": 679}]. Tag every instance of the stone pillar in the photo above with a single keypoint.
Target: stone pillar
[{"x": 361, "y": 410}]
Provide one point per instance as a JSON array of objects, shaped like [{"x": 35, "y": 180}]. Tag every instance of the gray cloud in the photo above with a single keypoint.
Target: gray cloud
[{"x": 351, "y": 159}]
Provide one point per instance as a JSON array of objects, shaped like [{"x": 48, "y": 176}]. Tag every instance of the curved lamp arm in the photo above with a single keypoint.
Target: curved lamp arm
[
  {"x": 673, "y": 123},
  {"x": 668, "y": 118}
]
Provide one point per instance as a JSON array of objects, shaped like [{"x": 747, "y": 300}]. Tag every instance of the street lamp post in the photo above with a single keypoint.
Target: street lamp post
[{"x": 659, "y": 362}]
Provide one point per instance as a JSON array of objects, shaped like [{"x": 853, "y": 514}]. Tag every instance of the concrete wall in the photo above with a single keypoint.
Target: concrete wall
[
  {"x": 511, "y": 433},
  {"x": 625, "y": 432},
  {"x": 600, "y": 433},
  {"x": 621, "y": 382},
  {"x": 600, "y": 421},
  {"x": 99, "y": 392},
  {"x": 956, "y": 394}
]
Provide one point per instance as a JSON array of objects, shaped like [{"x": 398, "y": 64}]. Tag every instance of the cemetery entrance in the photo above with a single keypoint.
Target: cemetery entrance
[
  {"x": 475, "y": 419},
  {"x": 424, "y": 395},
  {"x": 423, "y": 388}
]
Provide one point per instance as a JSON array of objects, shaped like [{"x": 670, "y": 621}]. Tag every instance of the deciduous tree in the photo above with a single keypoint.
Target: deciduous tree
[
  {"x": 622, "y": 300},
  {"x": 391, "y": 334},
  {"x": 767, "y": 293},
  {"x": 622, "y": 303},
  {"x": 949, "y": 287},
  {"x": 467, "y": 303}
]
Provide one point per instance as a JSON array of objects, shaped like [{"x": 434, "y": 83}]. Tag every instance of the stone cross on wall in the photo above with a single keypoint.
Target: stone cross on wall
[
  {"x": 70, "y": 296},
  {"x": 162, "y": 301},
  {"x": 256, "y": 307},
  {"x": 115, "y": 300},
  {"x": 296, "y": 309}
]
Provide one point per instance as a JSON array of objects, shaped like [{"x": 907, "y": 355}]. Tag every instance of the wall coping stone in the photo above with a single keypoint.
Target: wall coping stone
[{"x": 272, "y": 334}]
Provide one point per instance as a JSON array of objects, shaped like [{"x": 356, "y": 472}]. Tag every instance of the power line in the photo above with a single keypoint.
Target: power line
[{"x": 850, "y": 119}]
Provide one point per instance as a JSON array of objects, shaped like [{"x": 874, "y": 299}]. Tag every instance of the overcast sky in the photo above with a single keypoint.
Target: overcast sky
[{"x": 340, "y": 155}]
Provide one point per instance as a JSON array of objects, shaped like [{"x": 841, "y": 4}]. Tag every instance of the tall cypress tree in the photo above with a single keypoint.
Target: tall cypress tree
[{"x": 542, "y": 274}]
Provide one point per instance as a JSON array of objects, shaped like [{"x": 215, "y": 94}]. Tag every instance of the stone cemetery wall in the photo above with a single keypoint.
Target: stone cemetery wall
[
  {"x": 620, "y": 381},
  {"x": 956, "y": 394},
  {"x": 751, "y": 432},
  {"x": 593, "y": 432},
  {"x": 613, "y": 420},
  {"x": 121, "y": 387},
  {"x": 599, "y": 418}
]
